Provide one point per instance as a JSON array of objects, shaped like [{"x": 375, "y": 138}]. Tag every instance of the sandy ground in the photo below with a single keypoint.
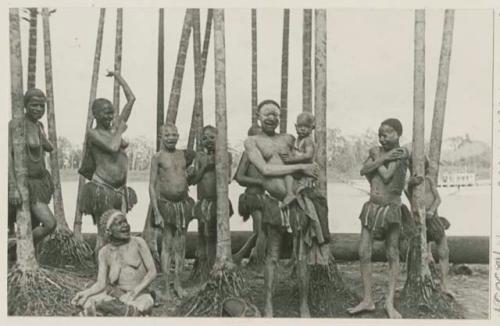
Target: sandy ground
[{"x": 471, "y": 291}]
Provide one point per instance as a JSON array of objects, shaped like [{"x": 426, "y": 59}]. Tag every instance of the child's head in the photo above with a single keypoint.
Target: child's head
[
  {"x": 103, "y": 111},
  {"x": 254, "y": 130},
  {"x": 389, "y": 132},
  {"x": 208, "y": 136},
  {"x": 305, "y": 124},
  {"x": 115, "y": 224},
  {"x": 169, "y": 136},
  {"x": 34, "y": 103}
]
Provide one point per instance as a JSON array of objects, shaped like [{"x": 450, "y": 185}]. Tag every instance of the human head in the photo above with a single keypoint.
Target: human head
[
  {"x": 389, "y": 132},
  {"x": 115, "y": 224},
  {"x": 208, "y": 137},
  {"x": 305, "y": 124},
  {"x": 169, "y": 136},
  {"x": 254, "y": 130},
  {"x": 34, "y": 103},
  {"x": 103, "y": 112},
  {"x": 268, "y": 113}
]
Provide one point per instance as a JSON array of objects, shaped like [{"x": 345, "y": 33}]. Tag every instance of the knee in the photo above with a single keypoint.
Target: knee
[
  {"x": 365, "y": 254},
  {"x": 392, "y": 253},
  {"x": 51, "y": 224}
]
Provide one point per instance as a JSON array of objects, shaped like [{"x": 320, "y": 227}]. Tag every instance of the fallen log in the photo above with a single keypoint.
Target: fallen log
[{"x": 463, "y": 249}]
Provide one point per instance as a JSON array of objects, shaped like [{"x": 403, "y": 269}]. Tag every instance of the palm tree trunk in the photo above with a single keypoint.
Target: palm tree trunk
[
  {"x": 221, "y": 151},
  {"x": 160, "y": 91},
  {"x": 26, "y": 260},
  {"x": 284, "y": 71},
  {"x": 254, "y": 67},
  {"x": 440, "y": 99},
  {"x": 306, "y": 62},
  {"x": 320, "y": 84},
  {"x": 77, "y": 226},
  {"x": 32, "y": 48},
  {"x": 118, "y": 59},
  {"x": 175, "y": 92}
]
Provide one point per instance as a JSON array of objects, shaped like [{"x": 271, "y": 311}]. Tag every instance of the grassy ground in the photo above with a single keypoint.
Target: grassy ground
[{"x": 471, "y": 291}]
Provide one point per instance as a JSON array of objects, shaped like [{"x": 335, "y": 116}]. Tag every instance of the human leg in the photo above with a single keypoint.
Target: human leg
[
  {"x": 166, "y": 260},
  {"x": 274, "y": 236},
  {"x": 42, "y": 213},
  {"x": 392, "y": 252}
]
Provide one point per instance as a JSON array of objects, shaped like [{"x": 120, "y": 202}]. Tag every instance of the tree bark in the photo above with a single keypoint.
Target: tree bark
[
  {"x": 221, "y": 150},
  {"x": 284, "y": 71},
  {"x": 254, "y": 67},
  {"x": 118, "y": 59},
  {"x": 441, "y": 93},
  {"x": 175, "y": 92},
  {"x": 160, "y": 91},
  {"x": 306, "y": 62},
  {"x": 51, "y": 125},
  {"x": 77, "y": 225},
  {"x": 320, "y": 87},
  {"x": 32, "y": 48},
  {"x": 26, "y": 260}
]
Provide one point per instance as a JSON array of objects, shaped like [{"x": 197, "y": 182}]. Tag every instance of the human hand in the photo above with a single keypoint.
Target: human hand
[
  {"x": 110, "y": 73},
  {"x": 285, "y": 157},
  {"x": 395, "y": 154},
  {"x": 79, "y": 299},
  {"x": 129, "y": 297},
  {"x": 210, "y": 162},
  {"x": 415, "y": 181},
  {"x": 311, "y": 170},
  {"x": 158, "y": 220},
  {"x": 15, "y": 197}
]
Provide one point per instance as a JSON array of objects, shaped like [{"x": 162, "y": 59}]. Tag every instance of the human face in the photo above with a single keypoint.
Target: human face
[
  {"x": 208, "y": 139},
  {"x": 269, "y": 117},
  {"x": 105, "y": 114},
  {"x": 388, "y": 137},
  {"x": 169, "y": 137},
  {"x": 303, "y": 128},
  {"x": 35, "y": 108},
  {"x": 119, "y": 229}
]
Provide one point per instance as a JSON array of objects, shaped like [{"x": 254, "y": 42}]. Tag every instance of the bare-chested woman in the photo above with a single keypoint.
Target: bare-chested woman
[
  {"x": 126, "y": 269},
  {"x": 108, "y": 166},
  {"x": 39, "y": 181},
  {"x": 264, "y": 151}
]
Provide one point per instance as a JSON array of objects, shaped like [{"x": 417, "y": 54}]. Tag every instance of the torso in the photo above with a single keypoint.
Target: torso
[
  {"x": 172, "y": 179},
  {"x": 207, "y": 187},
  {"x": 34, "y": 148},
  {"x": 254, "y": 173},
  {"x": 111, "y": 167},
  {"x": 387, "y": 193}
]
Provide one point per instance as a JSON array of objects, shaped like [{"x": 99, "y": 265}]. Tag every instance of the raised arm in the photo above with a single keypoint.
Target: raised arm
[
  {"x": 127, "y": 108},
  {"x": 107, "y": 142},
  {"x": 241, "y": 174},
  {"x": 153, "y": 175},
  {"x": 275, "y": 170}
]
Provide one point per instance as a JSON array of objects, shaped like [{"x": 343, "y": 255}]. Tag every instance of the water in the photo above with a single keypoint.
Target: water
[{"x": 469, "y": 210}]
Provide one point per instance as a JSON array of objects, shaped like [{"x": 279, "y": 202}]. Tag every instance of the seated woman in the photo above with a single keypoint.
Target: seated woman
[{"x": 127, "y": 264}]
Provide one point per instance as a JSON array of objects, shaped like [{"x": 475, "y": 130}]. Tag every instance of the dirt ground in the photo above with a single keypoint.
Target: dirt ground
[{"x": 471, "y": 291}]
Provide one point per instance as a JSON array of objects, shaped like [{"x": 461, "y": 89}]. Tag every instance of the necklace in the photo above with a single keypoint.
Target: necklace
[{"x": 34, "y": 158}]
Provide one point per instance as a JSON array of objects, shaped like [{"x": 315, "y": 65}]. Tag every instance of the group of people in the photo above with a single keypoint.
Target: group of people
[{"x": 278, "y": 172}]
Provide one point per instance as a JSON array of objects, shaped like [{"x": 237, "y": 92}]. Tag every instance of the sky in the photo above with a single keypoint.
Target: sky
[{"x": 369, "y": 68}]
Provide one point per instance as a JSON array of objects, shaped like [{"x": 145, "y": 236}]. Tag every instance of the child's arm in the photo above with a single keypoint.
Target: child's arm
[
  {"x": 153, "y": 175},
  {"x": 127, "y": 108},
  {"x": 437, "y": 199},
  {"x": 241, "y": 177},
  {"x": 301, "y": 157}
]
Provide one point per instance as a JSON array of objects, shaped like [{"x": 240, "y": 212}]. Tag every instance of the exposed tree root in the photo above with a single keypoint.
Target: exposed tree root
[
  {"x": 62, "y": 249},
  {"x": 326, "y": 287},
  {"x": 201, "y": 270},
  {"x": 224, "y": 282},
  {"x": 40, "y": 292}
]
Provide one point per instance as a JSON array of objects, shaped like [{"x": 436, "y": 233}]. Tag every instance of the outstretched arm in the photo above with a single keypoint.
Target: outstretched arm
[
  {"x": 127, "y": 109},
  {"x": 274, "y": 170},
  {"x": 242, "y": 178}
]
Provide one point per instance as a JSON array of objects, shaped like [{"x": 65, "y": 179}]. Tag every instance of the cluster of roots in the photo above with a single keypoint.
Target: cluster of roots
[
  {"x": 63, "y": 250},
  {"x": 41, "y": 292},
  {"x": 224, "y": 282},
  {"x": 327, "y": 291}
]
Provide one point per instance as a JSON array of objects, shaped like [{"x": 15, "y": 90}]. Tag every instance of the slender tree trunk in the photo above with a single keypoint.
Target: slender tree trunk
[
  {"x": 306, "y": 62},
  {"x": 26, "y": 260},
  {"x": 284, "y": 71},
  {"x": 77, "y": 226},
  {"x": 32, "y": 48},
  {"x": 175, "y": 92},
  {"x": 254, "y": 67},
  {"x": 441, "y": 92},
  {"x": 118, "y": 59},
  {"x": 320, "y": 83},
  {"x": 51, "y": 125},
  {"x": 221, "y": 150},
  {"x": 160, "y": 92}
]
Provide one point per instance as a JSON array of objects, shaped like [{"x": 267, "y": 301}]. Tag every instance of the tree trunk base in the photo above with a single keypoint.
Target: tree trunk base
[
  {"x": 40, "y": 292},
  {"x": 225, "y": 283},
  {"x": 422, "y": 297},
  {"x": 200, "y": 272},
  {"x": 328, "y": 291},
  {"x": 63, "y": 250}
]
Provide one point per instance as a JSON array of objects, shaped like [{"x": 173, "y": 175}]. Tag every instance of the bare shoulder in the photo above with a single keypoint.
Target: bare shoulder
[
  {"x": 308, "y": 141},
  {"x": 138, "y": 241},
  {"x": 250, "y": 142}
]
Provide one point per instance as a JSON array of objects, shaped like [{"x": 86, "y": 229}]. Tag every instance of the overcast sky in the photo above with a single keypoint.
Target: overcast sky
[{"x": 370, "y": 68}]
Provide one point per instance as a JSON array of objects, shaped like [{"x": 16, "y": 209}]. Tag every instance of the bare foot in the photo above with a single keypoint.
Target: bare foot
[
  {"x": 304, "y": 311},
  {"x": 392, "y": 312},
  {"x": 268, "y": 310},
  {"x": 361, "y": 307},
  {"x": 287, "y": 200},
  {"x": 448, "y": 292}
]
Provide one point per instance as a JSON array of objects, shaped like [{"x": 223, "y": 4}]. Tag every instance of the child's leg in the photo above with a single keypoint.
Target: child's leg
[
  {"x": 290, "y": 196},
  {"x": 180, "y": 240},
  {"x": 166, "y": 259},
  {"x": 392, "y": 251}
]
